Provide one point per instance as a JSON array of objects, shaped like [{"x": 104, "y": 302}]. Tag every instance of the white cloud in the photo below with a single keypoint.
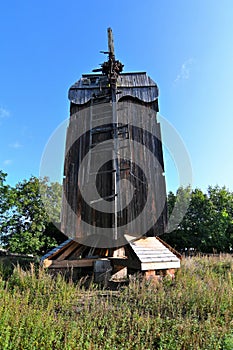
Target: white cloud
[
  {"x": 16, "y": 145},
  {"x": 4, "y": 113},
  {"x": 7, "y": 162},
  {"x": 184, "y": 72}
]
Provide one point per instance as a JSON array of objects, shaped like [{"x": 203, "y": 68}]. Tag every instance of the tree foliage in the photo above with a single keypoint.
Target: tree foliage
[
  {"x": 208, "y": 223},
  {"x": 26, "y": 223},
  {"x": 29, "y": 209}
]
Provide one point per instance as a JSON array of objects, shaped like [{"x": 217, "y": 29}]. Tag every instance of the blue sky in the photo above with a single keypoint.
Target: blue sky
[{"x": 185, "y": 46}]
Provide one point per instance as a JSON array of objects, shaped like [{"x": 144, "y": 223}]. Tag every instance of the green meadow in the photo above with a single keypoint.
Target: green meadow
[{"x": 193, "y": 311}]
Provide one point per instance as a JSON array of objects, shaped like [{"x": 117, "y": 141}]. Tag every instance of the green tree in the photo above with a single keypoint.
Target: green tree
[
  {"x": 221, "y": 218},
  {"x": 178, "y": 204},
  {"x": 27, "y": 228},
  {"x": 208, "y": 223},
  {"x": 195, "y": 223},
  {"x": 6, "y": 202}
]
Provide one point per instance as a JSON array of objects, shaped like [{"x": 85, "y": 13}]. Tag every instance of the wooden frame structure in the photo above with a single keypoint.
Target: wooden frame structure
[
  {"x": 149, "y": 255},
  {"x": 114, "y": 107}
]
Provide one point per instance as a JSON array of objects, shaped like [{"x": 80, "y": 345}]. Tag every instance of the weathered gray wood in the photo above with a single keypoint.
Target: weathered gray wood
[
  {"x": 110, "y": 42},
  {"x": 137, "y": 85},
  {"x": 72, "y": 263},
  {"x": 68, "y": 251},
  {"x": 127, "y": 110}
]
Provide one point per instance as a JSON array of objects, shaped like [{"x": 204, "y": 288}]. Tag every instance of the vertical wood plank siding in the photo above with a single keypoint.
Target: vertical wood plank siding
[{"x": 137, "y": 102}]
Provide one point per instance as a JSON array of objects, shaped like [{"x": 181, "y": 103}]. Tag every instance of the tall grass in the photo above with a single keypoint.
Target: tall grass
[{"x": 194, "y": 311}]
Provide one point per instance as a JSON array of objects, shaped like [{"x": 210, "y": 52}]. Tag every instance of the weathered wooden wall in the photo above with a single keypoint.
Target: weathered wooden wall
[{"x": 91, "y": 106}]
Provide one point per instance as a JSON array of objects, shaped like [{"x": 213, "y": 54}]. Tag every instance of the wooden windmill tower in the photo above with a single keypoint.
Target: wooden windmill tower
[{"x": 114, "y": 202}]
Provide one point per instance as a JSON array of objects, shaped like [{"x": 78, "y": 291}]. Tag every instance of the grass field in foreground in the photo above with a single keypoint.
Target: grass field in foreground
[{"x": 194, "y": 311}]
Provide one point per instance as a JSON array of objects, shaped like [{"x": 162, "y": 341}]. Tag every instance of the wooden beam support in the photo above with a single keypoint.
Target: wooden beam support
[
  {"x": 57, "y": 252},
  {"x": 47, "y": 263},
  {"x": 72, "y": 263},
  {"x": 68, "y": 251}
]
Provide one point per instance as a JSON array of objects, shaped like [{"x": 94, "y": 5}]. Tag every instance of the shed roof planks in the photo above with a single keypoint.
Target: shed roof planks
[{"x": 147, "y": 253}]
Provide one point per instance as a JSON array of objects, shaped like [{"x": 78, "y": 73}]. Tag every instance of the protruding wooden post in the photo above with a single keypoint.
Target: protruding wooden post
[{"x": 110, "y": 42}]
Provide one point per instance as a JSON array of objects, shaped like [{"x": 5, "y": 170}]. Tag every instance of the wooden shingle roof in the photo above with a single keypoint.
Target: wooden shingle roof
[{"x": 137, "y": 85}]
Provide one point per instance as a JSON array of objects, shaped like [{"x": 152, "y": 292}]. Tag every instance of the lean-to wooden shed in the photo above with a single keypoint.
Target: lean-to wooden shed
[{"x": 149, "y": 255}]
